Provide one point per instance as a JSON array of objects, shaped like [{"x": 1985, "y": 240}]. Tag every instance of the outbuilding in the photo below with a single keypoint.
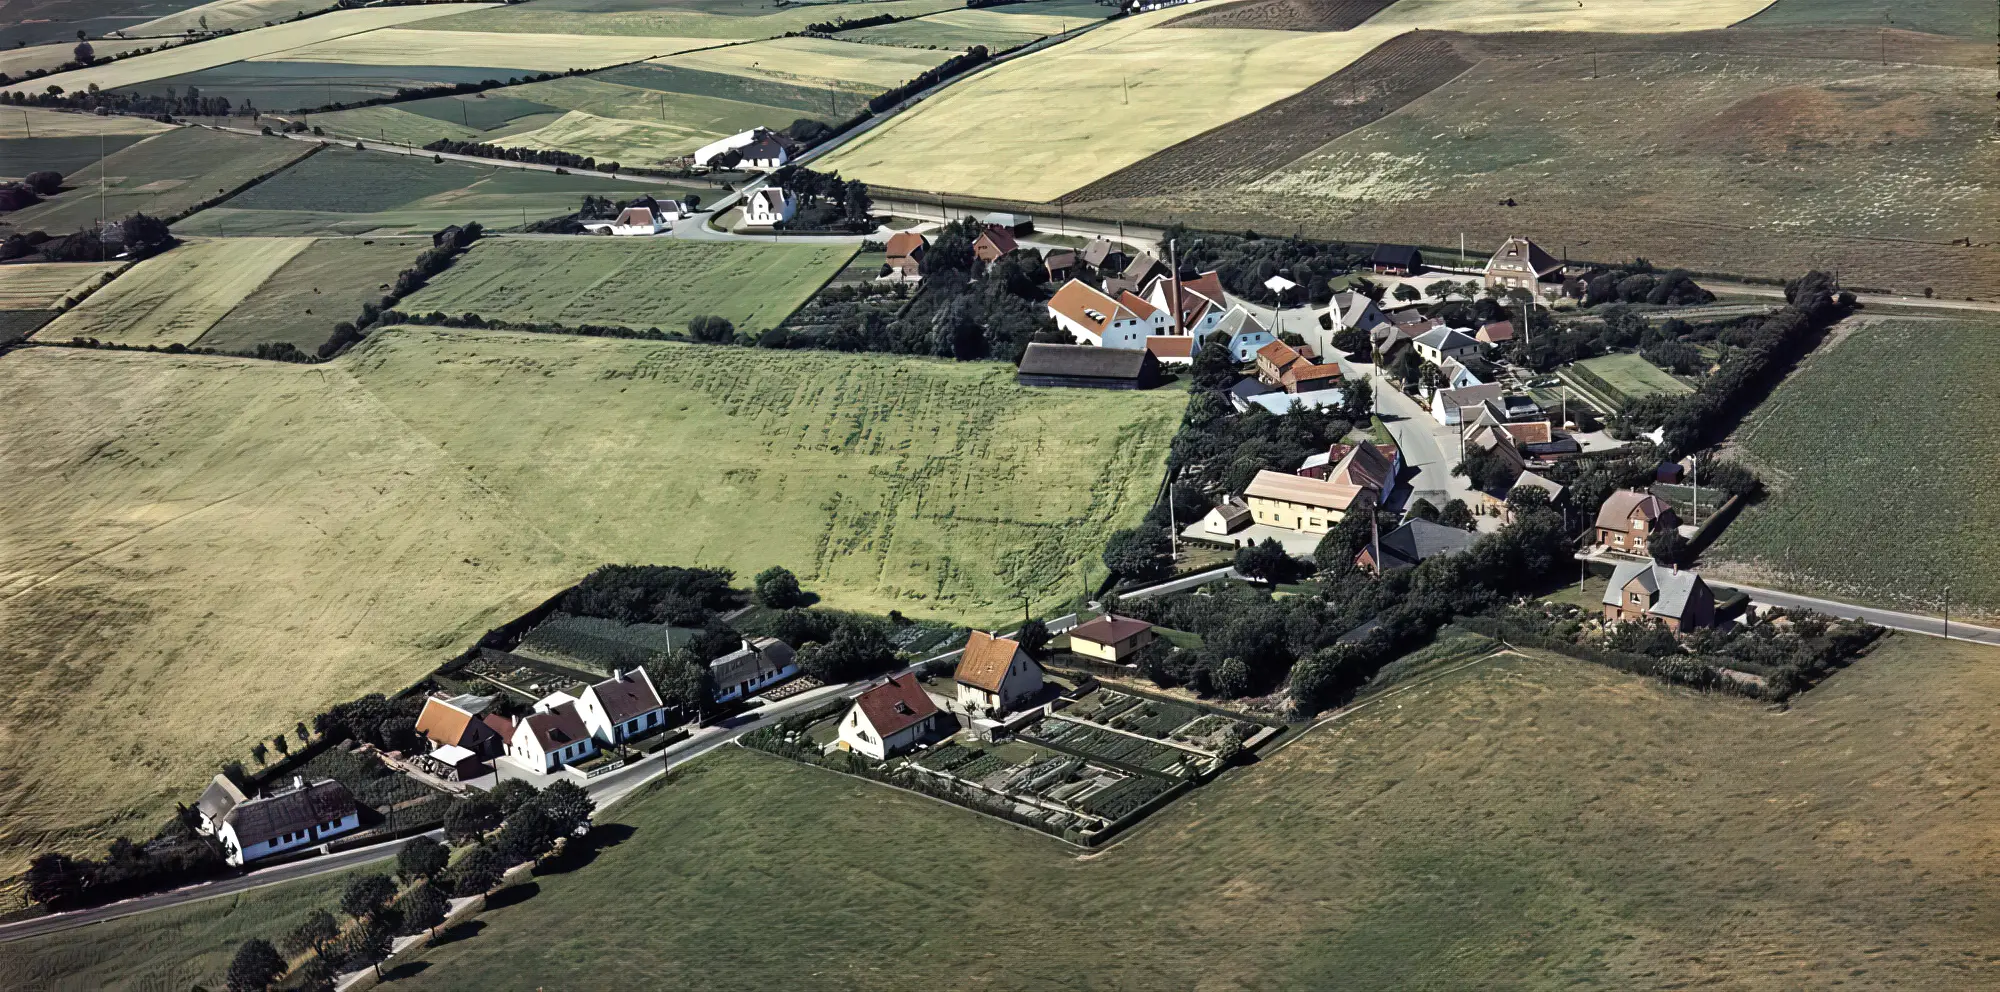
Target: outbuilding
[{"x": 1087, "y": 367}]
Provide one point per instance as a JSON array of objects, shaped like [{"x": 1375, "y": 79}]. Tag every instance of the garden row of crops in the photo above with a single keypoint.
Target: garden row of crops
[
  {"x": 1110, "y": 746},
  {"x": 948, "y": 756},
  {"x": 602, "y": 643},
  {"x": 1124, "y": 797},
  {"x": 1155, "y": 718}
]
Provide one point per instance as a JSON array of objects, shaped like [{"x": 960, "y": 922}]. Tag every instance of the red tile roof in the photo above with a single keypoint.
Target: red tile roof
[
  {"x": 1109, "y": 629},
  {"x": 904, "y": 243},
  {"x": 1171, "y": 345},
  {"x": 896, "y": 705},
  {"x": 985, "y": 661}
]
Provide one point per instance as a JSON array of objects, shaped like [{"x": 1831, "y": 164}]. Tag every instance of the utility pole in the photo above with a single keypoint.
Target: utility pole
[
  {"x": 1947, "y": 611},
  {"x": 1696, "y": 460},
  {"x": 1174, "y": 299}
]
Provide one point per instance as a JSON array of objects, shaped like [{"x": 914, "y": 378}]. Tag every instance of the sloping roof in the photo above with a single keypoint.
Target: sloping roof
[
  {"x": 219, "y": 798},
  {"x": 772, "y": 199},
  {"x": 1238, "y": 321},
  {"x": 985, "y": 661},
  {"x": 1447, "y": 339},
  {"x": 1543, "y": 483},
  {"x": 896, "y": 705},
  {"x": 443, "y": 722},
  {"x": 1351, "y": 307},
  {"x": 1366, "y": 466},
  {"x": 1000, "y": 238},
  {"x": 1674, "y": 587},
  {"x": 1231, "y": 513},
  {"x": 1521, "y": 253},
  {"x": 1171, "y": 346},
  {"x": 904, "y": 243},
  {"x": 268, "y": 818},
  {"x": 1141, "y": 267},
  {"x": 627, "y": 696},
  {"x": 1084, "y": 360},
  {"x": 1198, "y": 296},
  {"x": 1058, "y": 258},
  {"x": 1077, "y": 300},
  {"x": 1098, "y": 250},
  {"x": 1497, "y": 331},
  {"x": 1139, "y": 306},
  {"x": 1299, "y": 489},
  {"x": 635, "y": 217},
  {"x": 1408, "y": 316},
  {"x": 1620, "y": 507},
  {"x": 1307, "y": 372},
  {"x": 1529, "y": 432},
  {"x": 1109, "y": 629},
  {"x": 1419, "y": 540},
  {"x": 1398, "y": 256},
  {"x": 557, "y": 728},
  {"x": 1465, "y": 396},
  {"x": 1250, "y": 388},
  {"x": 1279, "y": 354},
  {"x": 501, "y": 725}
]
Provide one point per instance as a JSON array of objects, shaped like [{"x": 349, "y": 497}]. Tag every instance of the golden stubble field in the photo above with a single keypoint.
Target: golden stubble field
[{"x": 200, "y": 551}]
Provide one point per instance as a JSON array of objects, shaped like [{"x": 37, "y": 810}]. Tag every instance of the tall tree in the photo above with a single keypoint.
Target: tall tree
[
  {"x": 314, "y": 933},
  {"x": 422, "y": 859},
  {"x": 366, "y": 897},
  {"x": 255, "y": 966},
  {"x": 424, "y": 908}
]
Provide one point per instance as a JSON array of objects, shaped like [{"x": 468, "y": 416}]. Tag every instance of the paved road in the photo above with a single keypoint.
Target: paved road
[
  {"x": 1913, "y": 622},
  {"x": 1136, "y": 235},
  {"x": 1720, "y": 287}
]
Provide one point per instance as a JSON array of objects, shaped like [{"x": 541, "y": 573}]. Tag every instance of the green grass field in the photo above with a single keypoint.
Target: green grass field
[
  {"x": 637, "y": 283},
  {"x": 1525, "y": 823},
  {"x": 321, "y": 286},
  {"x": 740, "y": 19},
  {"x": 1879, "y": 472},
  {"x": 1965, "y": 20},
  {"x": 175, "y": 297},
  {"x": 30, "y": 294},
  {"x": 161, "y": 176},
  {"x": 1624, "y": 378},
  {"x": 184, "y": 947},
  {"x": 305, "y": 534},
  {"x": 367, "y": 192}
]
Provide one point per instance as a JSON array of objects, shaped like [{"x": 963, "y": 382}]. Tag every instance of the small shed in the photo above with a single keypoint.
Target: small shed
[{"x": 1397, "y": 260}]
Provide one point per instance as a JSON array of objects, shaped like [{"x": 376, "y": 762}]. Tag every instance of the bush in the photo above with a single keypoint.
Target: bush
[{"x": 778, "y": 589}]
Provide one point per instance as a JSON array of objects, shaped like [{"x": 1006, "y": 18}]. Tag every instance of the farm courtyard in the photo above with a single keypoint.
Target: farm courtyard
[
  {"x": 1879, "y": 453},
  {"x": 179, "y": 522},
  {"x": 1434, "y": 840}
]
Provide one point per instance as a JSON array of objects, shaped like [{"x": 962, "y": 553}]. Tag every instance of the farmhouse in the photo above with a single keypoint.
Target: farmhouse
[
  {"x": 1100, "y": 254},
  {"x": 1111, "y": 638},
  {"x": 1296, "y": 503},
  {"x": 759, "y": 662},
  {"x": 1082, "y": 366},
  {"x": 634, "y": 221},
  {"x": 904, "y": 255},
  {"x": 300, "y": 814},
  {"x": 1641, "y": 590},
  {"x": 1522, "y": 264},
  {"x": 1440, "y": 343},
  {"x": 892, "y": 718},
  {"x": 462, "y": 721},
  {"x": 1143, "y": 268},
  {"x": 1094, "y": 318},
  {"x": 1449, "y": 405},
  {"x": 1274, "y": 360},
  {"x": 1242, "y": 334},
  {"x": 1629, "y": 518},
  {"x": 1397, "y": 260},
  {"x": 621, "y": 706},
  {"x": 1345, "y": 310},
  {"x": 1060, "y": 264},
  {"x": 1414, "y": 542},
  {"x": 757, "y": 148},
  {"x": 1201, "y": 302},
  {"x": 552, "y": 736},
  {"x": 995, "y": 675},
  {"x": 1227, "y": 517},
  {"x": 1306, "y": 377},
  {"x": 993, "y": 244},
  {"x": 768, "y": 206}
]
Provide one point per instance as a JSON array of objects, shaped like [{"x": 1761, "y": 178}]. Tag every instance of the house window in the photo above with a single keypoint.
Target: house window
[{"x": 1635, "y": 599}]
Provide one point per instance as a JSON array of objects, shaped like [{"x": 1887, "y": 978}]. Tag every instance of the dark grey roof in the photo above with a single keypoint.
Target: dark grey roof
[
  {"x": 258, "y": 820},
  {"x": 1084, "y": 360},
  {"x": 1673, "y": 586},
  {"x": 1400, "y": 256},
  {"x": 1251, "y": 387},
  {"x": 1420, "y": 540},
  {"x": 1237, "y": 322},
  {"x": 627, "y": 696}
]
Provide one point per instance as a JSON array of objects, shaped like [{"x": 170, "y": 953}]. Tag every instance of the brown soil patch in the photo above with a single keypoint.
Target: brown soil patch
[
  {"x": 1284, "y": 15},
  {"x": 1401, "y": 70},
  {"x": 1797, "y": 117},
  {"x": 1850, "y": 43}
]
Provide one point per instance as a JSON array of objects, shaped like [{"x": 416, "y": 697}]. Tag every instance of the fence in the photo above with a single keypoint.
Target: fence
[{"x": 603, "y": 769}]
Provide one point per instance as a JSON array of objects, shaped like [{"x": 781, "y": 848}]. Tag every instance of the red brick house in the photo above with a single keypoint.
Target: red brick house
[{"x": 1629, "y": 518}]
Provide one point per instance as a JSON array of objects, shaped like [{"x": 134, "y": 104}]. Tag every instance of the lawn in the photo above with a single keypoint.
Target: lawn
[
  {"x": 304, "y": 534},
  {"x": 237, "y": 47},
  {"x": 161, "y": 176},
  {"x": 172, "y": 949},
  {"x": 997, "y": 135},
  {"x": 636, "y": 283},
  {"x": 1525, "y": 823},
  {"x": 175, "y": 297},
  {"x": 344, "y": 191},
  {"x": 1625, "y": 378},
  {"x": 317, "y": 288},
  {"x": 1880, "y": 472}
]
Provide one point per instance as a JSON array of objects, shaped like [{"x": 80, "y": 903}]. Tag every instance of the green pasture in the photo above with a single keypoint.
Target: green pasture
[
  {"x": 161, "y": 176},
  {"x": 321, "y": 286}
]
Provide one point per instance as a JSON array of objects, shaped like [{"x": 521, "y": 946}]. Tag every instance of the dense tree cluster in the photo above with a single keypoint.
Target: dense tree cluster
[
  {"x": 688, "y": 597},
  {"x": 446, "y": 246},
  {"x": 537, "y": 156},
  {"x": 826, "y": 202},
  {"x": 388, "y": 722},
  {"x": 1244, "y": 262},
  {"x": 1637, "y": 282},
  {"x": 175, "y": 856}
]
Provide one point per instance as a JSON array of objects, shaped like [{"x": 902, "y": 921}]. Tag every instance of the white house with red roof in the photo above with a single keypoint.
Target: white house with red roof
[
  {"x": 1202, "y": 303},
  {"x": 552, "y": 736},
  {"x": 621, "y": 706},
  {"x": 1094, "y": 318},
  {"x": 995, "y": 674},
  {"x": 892, "y": 718}
]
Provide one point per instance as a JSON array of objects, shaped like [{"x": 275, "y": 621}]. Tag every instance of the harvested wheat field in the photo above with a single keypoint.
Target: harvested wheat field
[
  {"x": 536, "y": 52},
  {"x": 1017, "y": 132},
  {"x": 716, "y": 19},
  {"x": 816, "y": 62},
  {"x": 304, "y": 534},
  {"x": 237, "y": 47},
  {"x": 175, "y": 297},
  {"x": 35, "y": 122},
  {"x": 40, "y": 286}
]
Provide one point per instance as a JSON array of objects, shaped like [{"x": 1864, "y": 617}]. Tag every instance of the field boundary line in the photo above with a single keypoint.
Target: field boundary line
[{"x": 1330, "y": 718}]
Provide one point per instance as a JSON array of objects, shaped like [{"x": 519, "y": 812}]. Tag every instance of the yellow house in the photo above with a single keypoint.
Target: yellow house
[
  {"x": 1295, "y": 502},
  {"x": 1110, "y": 637}
]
